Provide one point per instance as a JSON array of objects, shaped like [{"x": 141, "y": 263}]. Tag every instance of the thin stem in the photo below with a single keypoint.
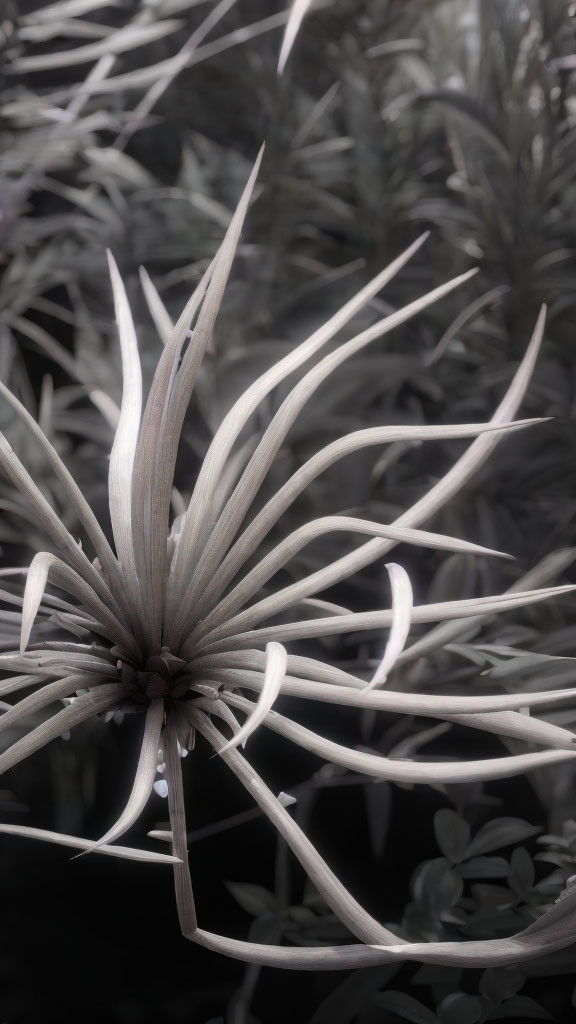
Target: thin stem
[
  {"x": 330, "y": 888},
  {"x": 182, "y": 880}
]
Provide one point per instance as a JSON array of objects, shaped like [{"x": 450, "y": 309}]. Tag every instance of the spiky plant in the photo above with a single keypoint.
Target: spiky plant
[
  {"x": 177, "y": 634},
  {"x": 511, "y": 137},
  {"x": 75, "y": 177}
]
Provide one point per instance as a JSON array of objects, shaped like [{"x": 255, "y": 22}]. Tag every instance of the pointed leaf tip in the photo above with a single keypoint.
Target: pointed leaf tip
[
  {"x": 127, "y": 432},
  {"x": 298, "y": 12},
  {"x": 274, "y": 672},
  {"x": 402, "y": 604},
  {"x": 36, "y": 580}
]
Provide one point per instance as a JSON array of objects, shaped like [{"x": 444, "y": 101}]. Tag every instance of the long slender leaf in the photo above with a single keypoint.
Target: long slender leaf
[
  {"x": 273, "y": 677},
  {"x": 124, "y": 852},
  {"x": 144, "y": 778},
  {"x": 450, "y": 772},
  {"x": 402, "y": 604},
  {"x": 124, "y": 39},
  {"x": 298, "y": 12}
]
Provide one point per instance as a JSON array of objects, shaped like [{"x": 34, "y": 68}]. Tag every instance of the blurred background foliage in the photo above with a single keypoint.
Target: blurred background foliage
[{"x": 132, "y": 125}]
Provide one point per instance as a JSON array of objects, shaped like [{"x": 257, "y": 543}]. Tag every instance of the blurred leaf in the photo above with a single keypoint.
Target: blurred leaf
[
  {"x": 520, "y": 1008},
  {"x": 436, "y": 885},
  {"x": 405, "y": 1006},
  {"x": 119, "y": 42},
  {"x": 498, "y": 833},
  {"x": 499, "y": 983},
  {"x": 452, "y": 834},
  {"x": 496, "y": 896},
  {"x": 65, "y": 9},
  {"x": 484, "y": 867},
  {"x": 522, "y": 873},
  {"x": 343, "y": 1004},
  {"x": 459, "y": 1008},
  {"x": 437, "y": 974},
  {"x": 254, "y": 899},
  {"x": 474, "y": 115}
]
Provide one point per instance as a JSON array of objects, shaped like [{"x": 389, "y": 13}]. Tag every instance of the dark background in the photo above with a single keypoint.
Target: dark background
[{"x": 464, "y": 124}]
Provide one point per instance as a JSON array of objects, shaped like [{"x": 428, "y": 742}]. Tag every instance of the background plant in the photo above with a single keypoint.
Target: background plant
[{"x": 390, "y": 118}]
